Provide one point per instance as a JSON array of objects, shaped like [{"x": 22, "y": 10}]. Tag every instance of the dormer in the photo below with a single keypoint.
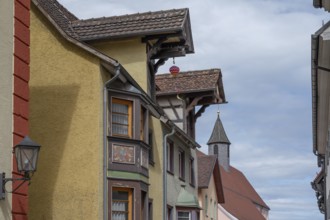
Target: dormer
[{"x": 181, "y": 95}]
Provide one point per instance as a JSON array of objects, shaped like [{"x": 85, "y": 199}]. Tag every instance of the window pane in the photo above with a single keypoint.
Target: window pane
[
  {"x": 183, "y": 215},
  {"x": 120, "y": 204},
  {"x": 120, "y": 129},
  {"x": 120, "y": 108},
  {"x": 120, "y": 195},
  {"x": 120, "y": 119}
]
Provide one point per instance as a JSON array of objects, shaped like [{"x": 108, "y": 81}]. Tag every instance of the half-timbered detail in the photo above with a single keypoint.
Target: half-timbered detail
[{"x": 179, "y": 95}]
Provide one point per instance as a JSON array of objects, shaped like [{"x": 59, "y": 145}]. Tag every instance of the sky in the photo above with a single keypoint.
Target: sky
[{"x": 263, "y": 48}]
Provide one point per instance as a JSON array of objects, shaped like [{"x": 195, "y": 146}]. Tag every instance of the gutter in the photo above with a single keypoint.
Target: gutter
[
  {"x": 315, "y": 44},
  {"x": 105, "y": 125},
  {"x": 165, "y": 172}
]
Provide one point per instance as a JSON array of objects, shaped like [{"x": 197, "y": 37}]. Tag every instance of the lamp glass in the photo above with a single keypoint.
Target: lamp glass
[
  {"x": 26, "y": 154},
  {"x": 26, "y": 157}
]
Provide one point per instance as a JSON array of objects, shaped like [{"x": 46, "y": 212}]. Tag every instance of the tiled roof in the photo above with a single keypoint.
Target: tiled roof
[
  {"x": 139, "y": 24},
  {"x": 208, "y": 165},
  {"x": 218, "y": 134},
  {"x": 240, "y": 196},
  {"x": 240, "y": 207},
  {"x": 189, "y": 82},
  {"x": 61, "y": 16},
  {"x": 205, "y": 169}
]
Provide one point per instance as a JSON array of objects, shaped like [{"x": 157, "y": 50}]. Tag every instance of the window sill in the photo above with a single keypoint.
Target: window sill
[
  {"x": 182, "y": 179},
  {"x": 170, "y": 172},
  {"x": 152, "y": 163}
]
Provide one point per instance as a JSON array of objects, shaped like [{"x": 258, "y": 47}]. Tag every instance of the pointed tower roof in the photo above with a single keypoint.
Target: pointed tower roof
[{"x": 218, "y": 134}]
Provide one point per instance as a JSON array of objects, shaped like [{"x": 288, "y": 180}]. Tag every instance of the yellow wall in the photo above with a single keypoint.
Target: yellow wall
[
  {"x": 66, "y": 118},
  {"x": 131, "y": 54},
  {"x": 6, "y": 98},
  {"x": 211, "y": 194},
  {"x": 155, "y": 172}
]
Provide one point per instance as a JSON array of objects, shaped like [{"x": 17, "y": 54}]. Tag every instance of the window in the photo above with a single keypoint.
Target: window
[
  {"x": 151, "y": 150},
  {"x": 121, "y": 203},
  {"x": 121, "y": 118},
  {"x": 216, "y": 150},
  {"x": 170, "y": 159},
  {"x": 143, "y": 118},
  {"x": 211, "y": 211},
  {"x": 215, "y": 210},
  {"x": 192, "y": 172},
  {"x": 181, "y": 164},
  {"x": 183, "y": 215},
  {"x": 150, "y": 209},
  {"x": 206, "y": 205},
  {"x": 169, "y": 212}
]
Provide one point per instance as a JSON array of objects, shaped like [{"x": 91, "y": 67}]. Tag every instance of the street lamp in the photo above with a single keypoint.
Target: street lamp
[{"x": 26, "y": 153}]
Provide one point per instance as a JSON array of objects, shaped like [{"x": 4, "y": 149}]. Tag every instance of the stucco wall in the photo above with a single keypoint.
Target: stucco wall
[
  {"x": 131, "y": 54},
  {"x": 211, "y": 195},
  {"x": 174, "y": 183},
  {"x": 6, "y": 91},
  {"x": 156, "y": 170},
  {"x": 66, "y": 117}
]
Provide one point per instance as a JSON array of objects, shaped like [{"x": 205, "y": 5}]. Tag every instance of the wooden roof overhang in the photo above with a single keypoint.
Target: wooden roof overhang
[{"x": 203, "y": 96}]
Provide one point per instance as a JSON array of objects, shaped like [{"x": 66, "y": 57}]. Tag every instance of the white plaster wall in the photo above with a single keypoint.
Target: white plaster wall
[
  {"x": 6, "y": 97},
  {"x": 173, "y": 181}
]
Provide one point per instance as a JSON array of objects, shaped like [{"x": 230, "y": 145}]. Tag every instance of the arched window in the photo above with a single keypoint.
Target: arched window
[{"x": 216, "y": 150}]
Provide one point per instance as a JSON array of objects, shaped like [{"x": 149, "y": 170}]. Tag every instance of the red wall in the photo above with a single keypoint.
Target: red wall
[{"x": 21, "y": 97}]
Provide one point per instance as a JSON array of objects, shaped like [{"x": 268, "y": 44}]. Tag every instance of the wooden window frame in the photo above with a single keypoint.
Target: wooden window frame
[
  {"x": 128, "y": 103},
  {"x": 130, "y": 200}
]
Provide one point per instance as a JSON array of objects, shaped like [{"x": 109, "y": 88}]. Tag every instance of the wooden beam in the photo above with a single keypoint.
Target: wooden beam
[
  {"x": 200, "y": 112},
  {"x": 193, "y": 104}
]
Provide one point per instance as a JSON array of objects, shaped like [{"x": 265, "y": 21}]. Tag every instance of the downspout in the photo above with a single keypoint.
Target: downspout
[
  {"x": 105, "y": 158},
  {"x": 165, "y": 173}
]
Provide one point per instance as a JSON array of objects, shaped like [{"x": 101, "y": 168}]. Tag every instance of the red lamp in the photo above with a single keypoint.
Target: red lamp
[{"x": 174, "y": 70}]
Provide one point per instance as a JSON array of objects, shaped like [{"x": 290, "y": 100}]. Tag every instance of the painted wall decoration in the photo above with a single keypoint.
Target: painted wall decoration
[
  {"x": 123, "y": 154},
  {"x": 144, "y": 158}
]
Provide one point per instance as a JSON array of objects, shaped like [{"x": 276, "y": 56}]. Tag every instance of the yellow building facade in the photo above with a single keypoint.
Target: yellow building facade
[
  {"x": 66, "y": 115},
  {"x": 94, "y": 111}
]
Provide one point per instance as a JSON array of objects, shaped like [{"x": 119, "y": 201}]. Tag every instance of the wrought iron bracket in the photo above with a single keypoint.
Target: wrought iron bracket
[{"x": 4, "y": 180}]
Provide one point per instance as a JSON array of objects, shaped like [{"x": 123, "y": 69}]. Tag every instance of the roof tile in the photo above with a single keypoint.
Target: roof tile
[{"x": 188, "y": 82}]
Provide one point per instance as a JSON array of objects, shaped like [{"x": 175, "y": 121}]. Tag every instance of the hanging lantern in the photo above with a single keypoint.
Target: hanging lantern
[{"x": 174, "y": 70}]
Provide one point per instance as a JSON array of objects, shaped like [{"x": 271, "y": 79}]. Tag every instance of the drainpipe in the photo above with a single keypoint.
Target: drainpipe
[
  {"x": 105, "y": 140},
  {"x": 165, "y": 173}
]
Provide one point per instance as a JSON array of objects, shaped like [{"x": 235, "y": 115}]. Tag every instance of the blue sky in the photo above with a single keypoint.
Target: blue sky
[{"x": 263, "y": 50}]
